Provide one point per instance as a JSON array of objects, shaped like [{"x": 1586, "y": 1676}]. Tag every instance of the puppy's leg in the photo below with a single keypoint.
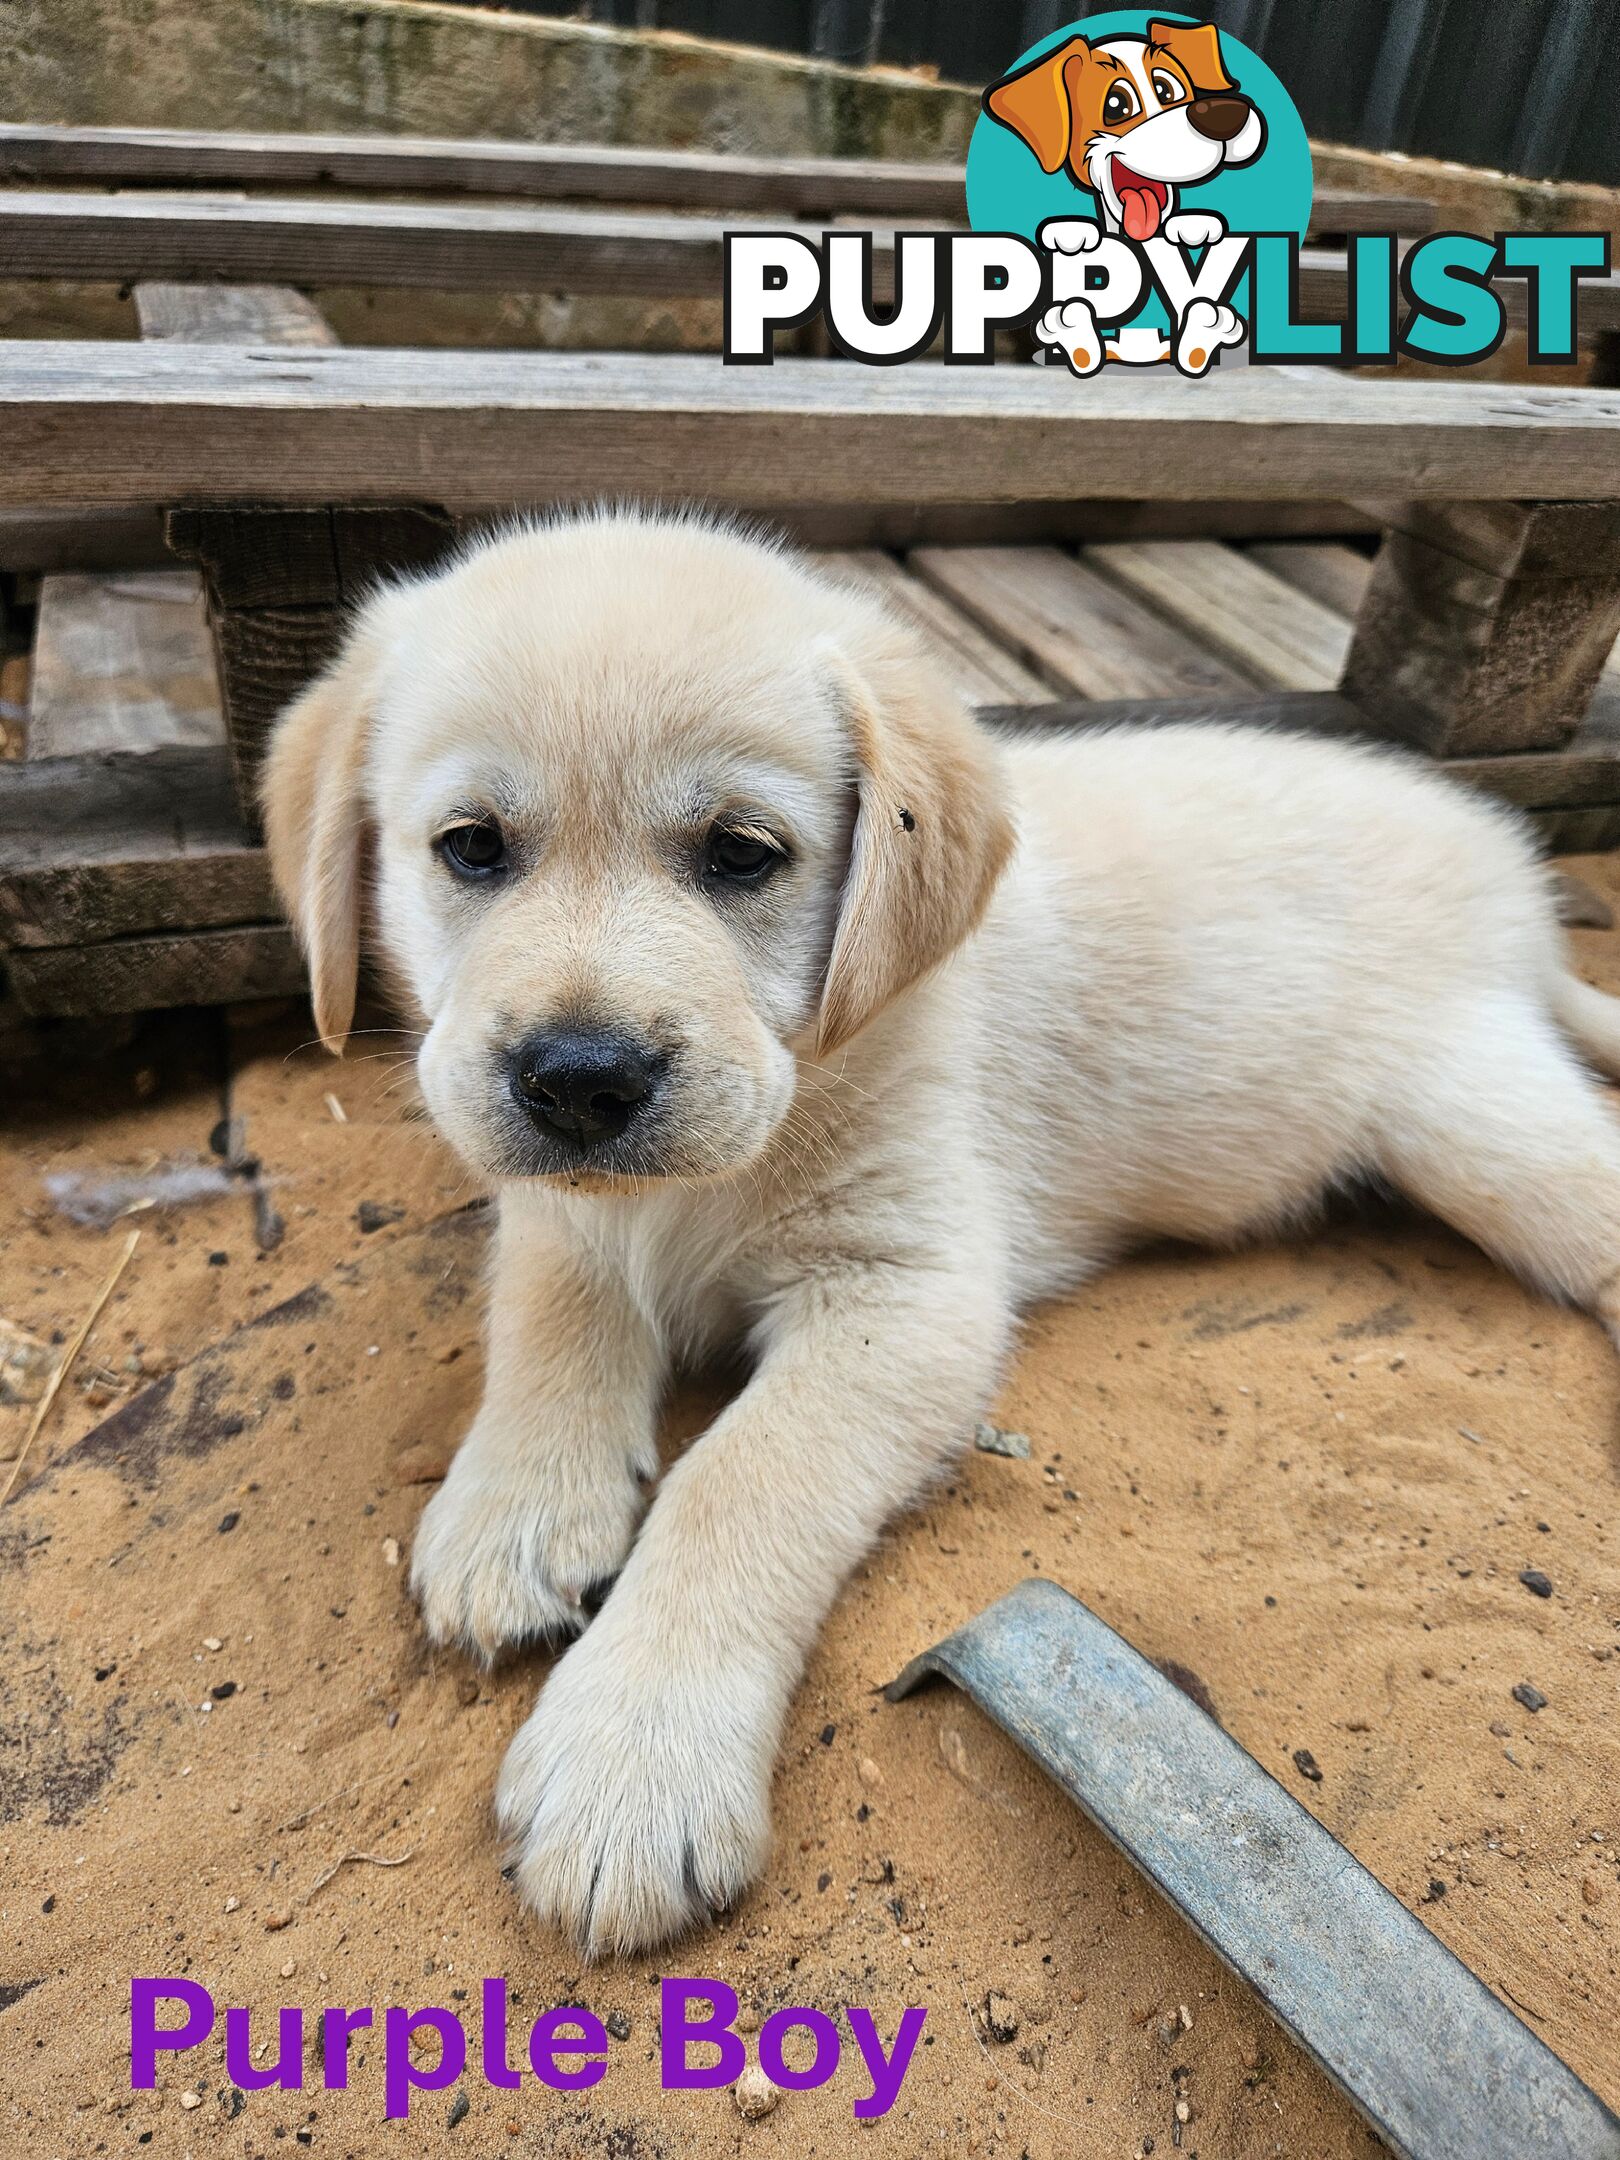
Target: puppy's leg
[
  {"x": 1501, "y": 1131},
  {"x": 543, "y": 1495},
  {"x": 636, "y": 1798}
]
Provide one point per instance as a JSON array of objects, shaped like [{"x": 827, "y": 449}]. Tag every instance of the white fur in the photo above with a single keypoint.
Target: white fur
[{"x": 1224, "y": 971}]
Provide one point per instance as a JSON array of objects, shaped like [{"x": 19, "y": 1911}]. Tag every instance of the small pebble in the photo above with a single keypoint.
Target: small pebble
[
  {"x": 212, "y": 1642},
  {"x": 754, "y": 2094},
  {"x": 288, "y": 1968},
  {"x": 275, "y": 1921},
  {"x": 460, "y": 2106},
  {"x": 228, "y": 1522},
  {"x": 232, "y": 1903},
  {"x": 390, "y": 1551},
  {"x": 467, "y": 1690},
  {"x": 747, "y": 2019},
  {"x": 869, "y": 1773},
  {"x": 1531, "y": 1697},
  {"x": 1183, "y": 2112},
  {"x": 1591, "y": 1890},
  {"x": 618, "y": 2024},
  {"x": 1307, "y": 1765},
  {"x": 190, "y": 2100},
  {"x": 991, "y": 1440},
  {"x": 1535, "y": 1582}
]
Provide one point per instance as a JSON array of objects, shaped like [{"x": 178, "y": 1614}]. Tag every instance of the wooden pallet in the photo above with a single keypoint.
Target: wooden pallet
[{"x": 1002, "y": 511}]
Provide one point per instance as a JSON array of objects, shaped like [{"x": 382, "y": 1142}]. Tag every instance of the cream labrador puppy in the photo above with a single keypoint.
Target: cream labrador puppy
[{"x": 781, "y": 1005}]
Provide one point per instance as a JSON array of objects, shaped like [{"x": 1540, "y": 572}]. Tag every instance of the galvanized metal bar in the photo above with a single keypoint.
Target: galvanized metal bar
[{"x": 1438, "y": 2066}]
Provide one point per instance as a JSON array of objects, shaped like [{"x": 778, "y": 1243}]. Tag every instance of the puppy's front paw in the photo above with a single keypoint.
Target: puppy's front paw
[
  {"x": 636, "y": 1800},
  {"x": 1072, "y": 328},
  {"x": 504, "y": 1553},
  {"x": 1069, "y": 236},
  {"x": 1206, "y": 327},
  {"x": 1194, "y": 228}
]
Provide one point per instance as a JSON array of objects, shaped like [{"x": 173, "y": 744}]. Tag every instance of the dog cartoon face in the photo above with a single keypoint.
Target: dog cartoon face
[{"x": 1133, "y": 118}]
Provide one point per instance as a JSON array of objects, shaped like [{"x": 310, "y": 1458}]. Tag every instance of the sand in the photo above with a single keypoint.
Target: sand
[{"x": 1309, "y": 1477}]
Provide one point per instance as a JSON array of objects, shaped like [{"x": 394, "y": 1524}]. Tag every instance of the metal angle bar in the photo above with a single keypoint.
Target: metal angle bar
[{"x": 1438, "y": 2066}]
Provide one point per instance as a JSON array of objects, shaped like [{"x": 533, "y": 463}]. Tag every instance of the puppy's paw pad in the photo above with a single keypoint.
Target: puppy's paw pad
[
  {"x": 1072, "y": 328},
  {"x": 1206, "y": 327}
]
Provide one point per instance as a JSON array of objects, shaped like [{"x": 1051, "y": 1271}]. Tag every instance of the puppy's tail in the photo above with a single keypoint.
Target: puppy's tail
[{"x": 1591, "y": 1018}]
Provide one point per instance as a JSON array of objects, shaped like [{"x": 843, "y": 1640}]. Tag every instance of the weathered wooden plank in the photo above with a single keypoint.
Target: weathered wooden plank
[
  {"x": 983, "y": 672},
  {"x": 1235, "y": 606},
  {"x": 93, "y": 538},
  {"x": 440, "y": 246},
  {"x": 101, "y": 846},
  {"x": 230, "y": 315},
  {"x": 1484, "y": 659},
  {"x": 493, "y": 429},
  {"x": 146, "y": 974},
  {"x": 123, "y": 660},
  {"x": 1335, "y": 575},
  {"x": 689, "y": 179},
  {"x": 1078, "y": 631}
]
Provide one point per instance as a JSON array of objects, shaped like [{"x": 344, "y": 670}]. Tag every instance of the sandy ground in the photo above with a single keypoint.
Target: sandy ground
[{"x": 1310, "y": 1477}]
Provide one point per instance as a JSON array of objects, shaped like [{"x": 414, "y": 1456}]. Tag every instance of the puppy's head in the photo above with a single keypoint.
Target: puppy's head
[
  {"x": 1132, "y": 117},
  {"x": 649, "y": 811}
]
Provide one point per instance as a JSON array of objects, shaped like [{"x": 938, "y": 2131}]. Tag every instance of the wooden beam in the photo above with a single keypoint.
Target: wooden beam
[
  {"x": 147, "y": 974},
  {"x": 1331, "y": 573},
  {"x": 1081, "y": 633},
  {"x": 108, "y": 846},
  {"x": 1489, "y": 626},
  {"x": 491, "y": 430},
  {"x": 983, "y": 671},
  {"x": 678, "y": 179},
  {"x": 438, "y": 246},
  {"x": 230, "y": 315},
  {"x": 1234, "y": 606},
  {"x": 122, "y": 661}
]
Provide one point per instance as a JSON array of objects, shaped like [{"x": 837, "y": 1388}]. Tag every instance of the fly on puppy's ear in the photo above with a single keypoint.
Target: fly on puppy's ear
[
  {"x": 313, "y": 800},
  {"x": 932, "y": 831}
]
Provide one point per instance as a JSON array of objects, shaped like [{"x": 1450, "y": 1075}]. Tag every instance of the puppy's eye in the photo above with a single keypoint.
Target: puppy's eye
[
  {"x": 1167, "y": 89},
  {"x": 474, "y": 849},
  {"x": 1120, "y": 104},
  {"x": 739, "y": 858}
]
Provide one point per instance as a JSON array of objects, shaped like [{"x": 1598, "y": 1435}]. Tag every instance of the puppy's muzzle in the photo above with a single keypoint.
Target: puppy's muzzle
[
  {"x": 580, "y": 1086},
  {"x": 1220, "y": 118}
]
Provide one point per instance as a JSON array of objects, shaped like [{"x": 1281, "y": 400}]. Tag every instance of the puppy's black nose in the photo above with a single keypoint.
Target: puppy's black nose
[
  {"x": 1220, "y": 118},
  {"x": 579, "y": 1085}
]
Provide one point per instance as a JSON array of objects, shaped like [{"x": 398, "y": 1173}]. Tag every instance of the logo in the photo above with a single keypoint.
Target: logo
[
  {"x": 1140, "y": 157},
  {"x": 1139, "y": 191}
]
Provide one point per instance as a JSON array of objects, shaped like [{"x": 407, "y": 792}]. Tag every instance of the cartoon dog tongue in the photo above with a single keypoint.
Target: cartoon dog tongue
[{"x": 1139, "y": 207}]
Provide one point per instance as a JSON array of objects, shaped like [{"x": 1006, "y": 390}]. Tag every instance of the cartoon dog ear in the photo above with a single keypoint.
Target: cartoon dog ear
[
  {"x": 1196, "y": 47},
  {"x": 932, "y": 832},
  {"x": 1036, "y": 103},
  {"x": 315, "y": 824}
]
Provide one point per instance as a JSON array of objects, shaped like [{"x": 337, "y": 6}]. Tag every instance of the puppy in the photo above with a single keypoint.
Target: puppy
[
  {"x": 1134, "y": 119},
  {"x": 781, "y": 1005}
]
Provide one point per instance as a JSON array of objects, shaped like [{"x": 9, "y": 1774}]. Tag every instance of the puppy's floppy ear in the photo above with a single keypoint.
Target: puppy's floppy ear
[
  {"x": 1197, "y": 49},
  {"x": 314, "y": 825},
  {"x": 932, "y": 832},
  {"x": 1036, "y": 102}
]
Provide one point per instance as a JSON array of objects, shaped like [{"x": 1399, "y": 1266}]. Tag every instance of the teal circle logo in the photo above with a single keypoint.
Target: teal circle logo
[
  {"x": 1126, "y": 146},
  {"x": 1032, "y": 155}
]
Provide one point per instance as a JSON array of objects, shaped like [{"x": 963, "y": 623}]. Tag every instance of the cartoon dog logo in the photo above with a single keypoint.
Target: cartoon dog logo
[{"x": 1136, "y": 119}]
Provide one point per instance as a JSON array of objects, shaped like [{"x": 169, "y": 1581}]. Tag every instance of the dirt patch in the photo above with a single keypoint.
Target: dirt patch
[{"x": 1307, "y": 1481}]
